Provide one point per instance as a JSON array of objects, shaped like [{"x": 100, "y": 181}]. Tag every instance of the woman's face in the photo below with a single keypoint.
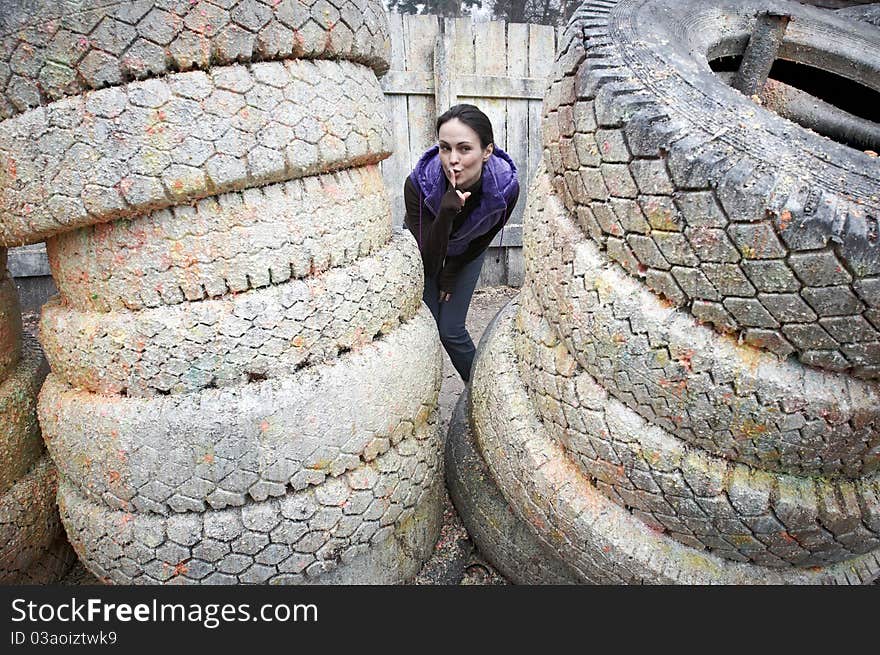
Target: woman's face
[{"x": 461, "y": 153}]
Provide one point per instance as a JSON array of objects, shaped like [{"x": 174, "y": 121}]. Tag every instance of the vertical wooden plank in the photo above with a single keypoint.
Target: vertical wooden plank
[
  {"x": 490, "y": 53},
  {"x": 518, "y": 50},
  {"x": 542, "y": 51},
  {"x": 397, "y": 167},
  {"x": 444, "y": 67},
  {"x": 464, "y": 46},
  {"x": 518, "y": 112},
  {"x": 421, "y": 35},
  {"x": 516, "y": 267},
  {"x": 493, "y": 273}
]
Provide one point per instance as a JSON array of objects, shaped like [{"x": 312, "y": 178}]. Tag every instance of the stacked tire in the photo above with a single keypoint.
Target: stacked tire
[
  {"x": 244, "y": 379},
  {"x": 35, "y": 550},
  {"x": 869, "y": 13},
  {"x": 639, "y": 408}
]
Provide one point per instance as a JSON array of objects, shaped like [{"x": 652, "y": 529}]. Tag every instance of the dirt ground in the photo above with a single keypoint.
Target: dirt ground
[{"x": 455, "y": 560}]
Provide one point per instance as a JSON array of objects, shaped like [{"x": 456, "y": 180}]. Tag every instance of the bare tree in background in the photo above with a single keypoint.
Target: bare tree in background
[
  {"x": 446, "y": 8},
  {"x": 543, "y": 12}
]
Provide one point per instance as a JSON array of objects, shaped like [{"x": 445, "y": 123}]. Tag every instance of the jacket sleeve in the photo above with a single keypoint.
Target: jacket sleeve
[
  {"x": 433, "y": 234},
  {"x": 452, "y": 267}
]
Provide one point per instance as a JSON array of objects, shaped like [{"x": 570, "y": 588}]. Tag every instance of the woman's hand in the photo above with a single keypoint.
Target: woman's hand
[{"x": 461, "y": 196}]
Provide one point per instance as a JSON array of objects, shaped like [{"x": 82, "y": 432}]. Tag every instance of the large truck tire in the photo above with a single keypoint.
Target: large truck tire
[
  {"x": 50, "y": 50},
  {"x": 29, "y": 522},
  {"x": 20, "y": 442},
  {"x": 375, "y": 524},
  {"x": 867, "y": 13},
  {"x": 125, "y": 151},
  {"x": 729, "y": 398},
  {"x": 704, "y": 501},
  {"x": 230, "y": 243},
  {"x": 263, "y": 333},
  {"x": 499, "y": 534},
  {"x": 724, "y": 207},
  {"x": 50, "y": 567},
  {"x": 594, "y": 535},
  {"x": 221, "y": 447},
  {"x": 10, "y": 325}
]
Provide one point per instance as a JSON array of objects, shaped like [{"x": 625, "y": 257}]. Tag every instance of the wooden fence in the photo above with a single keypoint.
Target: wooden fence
[{"x": 502, "y": 68}]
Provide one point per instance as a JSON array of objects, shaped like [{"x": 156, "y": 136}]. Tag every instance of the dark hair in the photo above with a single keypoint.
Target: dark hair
[{"x": 473, "y": 118}]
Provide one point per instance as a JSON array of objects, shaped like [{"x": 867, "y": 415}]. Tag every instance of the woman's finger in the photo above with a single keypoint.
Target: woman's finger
[{"x": 452, "y": 177}]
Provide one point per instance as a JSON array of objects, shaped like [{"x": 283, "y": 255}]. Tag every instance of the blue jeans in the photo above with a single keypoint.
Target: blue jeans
[{"x": 451, "y": 315}]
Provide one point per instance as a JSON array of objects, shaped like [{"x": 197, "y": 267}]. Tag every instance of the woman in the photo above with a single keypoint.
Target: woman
[{"x": 459, "y": 195}]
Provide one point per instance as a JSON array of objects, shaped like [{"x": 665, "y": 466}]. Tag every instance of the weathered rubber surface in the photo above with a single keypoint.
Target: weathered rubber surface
[
  {"x": 49, "y": 568},
  {"x": 270, "y": 332},
  {"x": 374, "y": 524},
  {"x": 20, "y": 442},
  {"x": 867, "y": 13},
  {"x": 732, "y": 400},
  {"x": 10, "y": 325},
  {"x": 751, "y": 222},
  {"x": 221, "y": 447},
  {"x": 29, "y": 522},
  {"x": 49, "y": 49},
  {"x": 119, "y": 152},
  {"x": 501, "y": 537},
  {"x": 226, "y": 244},
  {"x": 704, "y": 501},
  {"x": 592, "y": 534}
]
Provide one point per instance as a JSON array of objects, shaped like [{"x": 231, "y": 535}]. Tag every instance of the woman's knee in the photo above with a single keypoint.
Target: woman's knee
[{"x": 453, "y": 333}]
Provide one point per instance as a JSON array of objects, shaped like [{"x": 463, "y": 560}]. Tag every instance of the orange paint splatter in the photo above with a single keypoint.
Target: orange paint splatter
[
  {"x": 686, "y": 360},
  {"x": 784, "y": 219},
  {"x": 180, "y": 568}
]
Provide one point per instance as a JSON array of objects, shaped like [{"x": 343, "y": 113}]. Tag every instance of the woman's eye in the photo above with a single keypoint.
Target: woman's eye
[{"x": 442, "y": 147}]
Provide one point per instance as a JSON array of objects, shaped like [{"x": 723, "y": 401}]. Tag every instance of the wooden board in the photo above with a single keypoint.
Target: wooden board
[
  {"x": 518, "y": 115},
  {"x": 542, "y": 39},
  {"x": 421, "y": 35},
  {"x": 503, "y": 69},
  {"x": 396, "y": 168},
  {"x": 490, "y": 53}
]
